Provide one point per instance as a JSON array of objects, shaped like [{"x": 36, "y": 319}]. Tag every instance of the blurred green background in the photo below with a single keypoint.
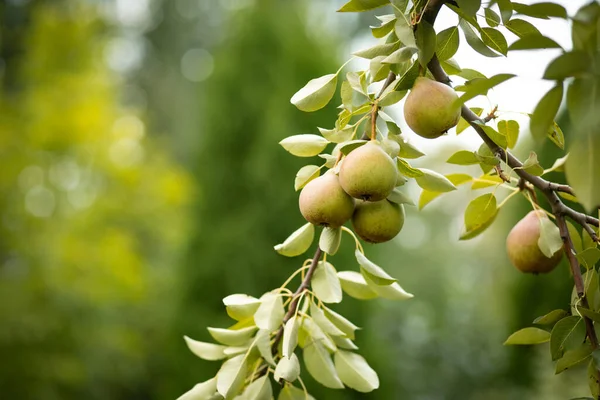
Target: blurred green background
[{"x": 141, "y": 181}]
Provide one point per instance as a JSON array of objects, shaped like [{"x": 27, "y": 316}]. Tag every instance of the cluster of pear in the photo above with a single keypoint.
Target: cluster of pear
[
  {"x": 367, "y": 176},
  {"x": 523, "y": 249}
]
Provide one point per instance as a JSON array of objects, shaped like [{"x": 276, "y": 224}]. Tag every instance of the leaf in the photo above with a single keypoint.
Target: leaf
[
  {"x": 232, "y": 337},
  {"x": 541, "y": 10},
  {"x": 387, "y": 25},
  {"x": 344, "y": 343},
  {"x": 463, "y": 124},
  {"x": 263, "y": 344},
  {"x": 481, "y": 87},
  {"x": 404, "y": 32},
  {"x": 290, "y": 336},
  {"x": 315, "y": 94},
  {"x": 494, "y": 39},
  {"x": 567, "y": 334},
  {"x": 354, "y": 285},
  {"x": 350, "y": 145},
  {"x": 362, "y": 5},
  {"x": 506, "y": 10},
  {"x": 493, "y": 134},
  {"x": 491, "y": 18},
  {"x": 400, "y": 198},
  {"x": 574, "y": 357},
  {"x": 392, "y": 98},
  {"x": 451, "y": 66},
  {"x": 385, "y": 49},
  {"x": 354, "y": 371},
  {"x": 298, "y": 242},
  {"x": 469, "y": 7},
  {"x": 314, "y": 333},
  {"x": 556, "y": 135},
  {"x": 330, "y": 240},
  {"x": 341, "y": 322},
  {"x": 589, "y": 257},
  {"x": 407, "y": 150},
  {"x": 320, "y": 366},
  {"x": 447, "y": 43},
  {"x": 307, "y": 145},
  {"x": 305, "y": 175},
  {"x": 426, "y": 41},
  {"x": 592, "y": 374},
  {"x": 479, "y": 211},
  {"x": 378, "y": 70},
  {"x": 391, "y": 292},
  {"x": 528, "y": 336},
  {"x": 288, "y": 369},
  {"x": 510, "y": 129},
  {"x": 260, "y": 389},
  {"x": 408, "y": 78},
  {"x": 551, "y": 318},
  {"x": 230, "y": 378},
  {"x": 206, "y": 351},
  {"x": 582, "y": 169},
  {"x": 433, "y": 181},
  {"x": 270, "y": 313},
  {"x": 532, "y": 165},
  {"x": 534, "y": 42},
  {"x": 594, "y": 316},
  {"x": 337, "y": 136},
  {"x": 549, "y": 241},
  {"x": 406, "y": 170},
  {"x": 475, "y": 42},
  {"x": 326, "y": 284},
  {"x": 401, "y": 55},
  {"x": 357, "y": 83},
  {"x": 290, "y": 392},
  {"x": 241, "y": 306},
  {"x": 373, "y": 271},
  {"x": 426, "y": 196},
  {"x": 522, "y": 28},
  {"x": 545, "y": 112},
  {"x": 471, "y": 74},
  {"x": 201, "y": 391},
  {"x": 486, "y": 181},
  {"x": 574, "y": 63},
  {"x": 323, "y": 322}
]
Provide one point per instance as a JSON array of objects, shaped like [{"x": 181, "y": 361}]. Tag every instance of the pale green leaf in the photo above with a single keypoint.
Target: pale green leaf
[
  {"x": 582, "y": 171},
  {"x": 231, "y": 376},
  {"x": 447, "y": 43},
  {"x": 354, "y": 285},
  {"x": 379, "y": 71},
  {"x": 532, "y": 165},
  {"x": 288, "y": 369},
  {"x": 481, "y": 86},
  {"x": 567, "y": 334},
  {"x": 404, "y": 32},
  {"x": 551, "y": 318},
  {"x": 354, "y": 371},
  {"x": 350, "y": 145},
  {"x": 314, "y": 333},
  {"x": 316, "y": 94},
  {"x": 240, "y": 306},
  {"x": 270, "y": 313},
  {"x": 510, "y": 129},
  {"x": 479, "y": 211},
  {"x": 341, "y": 322},
  {"x": 206, "y": 351},
  {"x": 201, "y": 391},
  {"x": 387, "y": 25},
  {"x": 401, "y": 55},
  {"x": 290, "y": 392},
  {"x": 549, "y": 241},
  {"x": 426, "y": 41},
  {"x": 522, "y": 28},
  {"x": 434, "y": 182},
  {"x": 330, "y": 240},
  {"x": 400, "y": 198},
  {"x": 373, "y": 271},
  {"x": 534, "y": 42},
  {"x": 263, "y": 344},
  {"x": 298, "y": 242},
  {"x": 390, "y": 292},
  {"x": 545, "y": 112},
  {"x": 303, "y": 176},
  {"x": 260, "y": 389},
  {"x": 463, "y": 157},
  {"x": 383, "y": 50},
  {"x": 362, "y": 5},
  {"x": 485, "y": 181},
  {"x": 306, "y": 145},
  {"x": 527, "y": 336},
  {"x": 320, "y": 366},
  {"x": 326, "y": 284},
  {"x": 323, "y": 322},
  {"x": 344, "y": 343},
  {"x": 574, "y": 357},
  {"x": 542, "y": 10},
  {"x": 337, "y": 136},
  {"x": 231, "y": 337},
  {"x": 290, "y": 336}
]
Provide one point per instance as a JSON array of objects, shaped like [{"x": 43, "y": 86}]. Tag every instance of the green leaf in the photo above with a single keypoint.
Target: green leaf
[
  {"x": 426, "y": 196},
  {"x": 594, "y": 316},
  {"x": 372, "y": 270},
  {"x": 298, "y": 242},
  {"x": 574, "y": 357},
  {"x": 263, "y": 344},
  {"x": 400, "y": 198},
  {"x": 241, "y": 306},
  {"x": 556, "y": 135},
  {"x": 534, "y": 42},
  {"x": 506, "y": 10},
  {"x": 315, "y": 94},
  {"x": 354, "y": 285},
  {"x": 290, "y": 392},
  {"x": 407, "y": 150},
  {"x": 357, "y": 82},
  {"x": 532, "y": 166},
  {"x": 574, "y": 63},
  {"x": 288, "y": 369},
  {"x": 408, "y": 78},
  {"x": 341, "y": 322},
  {"x": 480, "y": 211},
  {"x": 201, "y": 391},
  {"x": 401, "y": 55},
  {"x": 545, "y": 112},
  {"x": 592, "y": 374},
  {"x": 307, "y": 145},
  {"x": 323, "y": 322},
  {"x": 470, "y": 74},
  {"x": 582, "y": 169},
  {"x": 337, "y": 136},
  {"x": 481, "y": 86},
  {"x": 326, "y": 284},
  {"x": 391, "y": 292},
  {"x": 567, "y": 334},
  {"x": 494, "y": 39},
  {"x": 575, "y": 237},
  {"x": 305, "y": 175},
  {"x": 206, "y": 351},
  {"x": 230, "y": 378},
  {"x": 447, "y": 43},
  {"x": 463, "y": 157},
  {"x": 463, "y": 124},
  {"x": 510, "y": 129},
  {"x": 541, "y": 10},
  {"x": 589, "y": 257},
  {"x": 314, "y": 333},
  {"x": 387, "y": 25},
  {"x": 522, "y": 28},
  {"x": 392, "y": 98},
  {"x": 426, "y": 41},
  {"x": 493, "y": 134},
  {"x": 362, "y": 5},
  {"x": 404, "y": 32},
  {"x": 585, "y": 27},
  {"x": 290, "y": 336},
  {"x": 350, "y": 145},
  {"x": 378, "y": 70},
  {"x": 469, "y": 7},
  {"x": 330, "y": 240},
  {"x": 406, "y": 170},
  {"x": 475, "y": 42},
  {"x": 549, "y": 241},
  {"x": 491, "y": 18},
  {"x": 376, "y": 51},
  {"x": 486, "y": 181},
  {"x": 344, "y": 343},
  {"x": 354, "y": 371},
  {"x": 527, "y": 336},
  {"x": 434, "y": 182},
  {"x": 451, "y": 67},
  {"x": 320, "y": 366},
  {"x": 551, "y": 318},
  {"x": 270, "y": 313},
  {"x": 260, "y": 389},
  {"x": 232, "y": 337}
]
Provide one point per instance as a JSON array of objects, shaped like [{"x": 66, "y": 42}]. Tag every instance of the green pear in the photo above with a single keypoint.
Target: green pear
[
  {"x": 431, "y": 108},
  {"x": 368, "y": 173},
  {"x": 522, "y": 246},
  {"x": 324, "y": 202},
  {"x": 377, "y": 222}
]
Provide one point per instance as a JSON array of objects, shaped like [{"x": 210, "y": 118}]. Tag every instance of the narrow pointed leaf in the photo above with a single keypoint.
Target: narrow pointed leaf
[
  {"x": 375, "y": 272},
  {"x": 362, "y": 5},
  {"x": 527, "y": 336},
  {"x": 290, "y": 336},
  {"x": 231, "y": 337},
  {"x": 201, "y": 391},
  {"x": 354, "y": 285},
  {"x": 206, "y": 351}
]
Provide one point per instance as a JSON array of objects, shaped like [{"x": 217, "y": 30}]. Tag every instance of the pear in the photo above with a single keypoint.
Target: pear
[
  {"x": 377, "y": 222},
  {"x": 430, "y": 108},
  {"x": 522, "y": 246},
  {"x": 368, "y": 173},
  {"x": 324, "y": 202}
]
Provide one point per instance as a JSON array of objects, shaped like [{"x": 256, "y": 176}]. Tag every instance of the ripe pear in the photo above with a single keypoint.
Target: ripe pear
[
  {"x": 368, "y": 173},
  {"x": 377, "y": 222},
  {"x": 324, "y": 202},
  {"x": 430, "y": 108},
  {"x": 522, "y": 246}
]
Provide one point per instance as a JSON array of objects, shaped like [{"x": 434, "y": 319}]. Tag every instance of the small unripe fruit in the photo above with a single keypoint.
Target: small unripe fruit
[
  {"x": 431, "y": 108},
  {"x": 522, "y": 246},
  {"x": 368, "y": 173},
  {"x": 324, "y": 202},
  {"x": 377, "y": 222}
]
